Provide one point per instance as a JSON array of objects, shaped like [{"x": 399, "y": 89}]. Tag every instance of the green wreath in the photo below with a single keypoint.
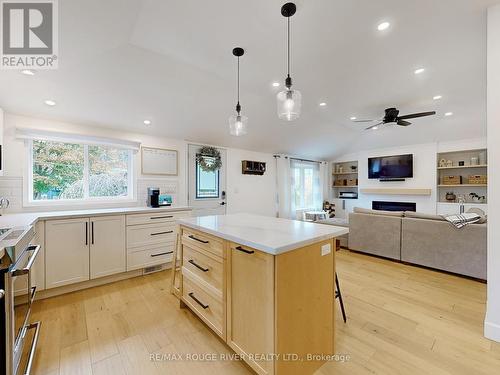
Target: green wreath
[{"x": 209, "y": 159}]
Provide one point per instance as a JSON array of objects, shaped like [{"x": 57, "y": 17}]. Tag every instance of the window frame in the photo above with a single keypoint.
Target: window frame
[
  {"x": 197, "y": 197},
  {"x": 87, "y": 199}
]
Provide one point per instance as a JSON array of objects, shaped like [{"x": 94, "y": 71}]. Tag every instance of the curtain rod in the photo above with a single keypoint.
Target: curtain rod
[{"x": 298, "y": 159}]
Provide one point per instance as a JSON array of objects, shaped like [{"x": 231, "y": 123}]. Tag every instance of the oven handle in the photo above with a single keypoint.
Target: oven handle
[
  {"x": 34, "y": 344},
  {"x": 32, "y": 294},
  {"x": 25, "y": 270}
]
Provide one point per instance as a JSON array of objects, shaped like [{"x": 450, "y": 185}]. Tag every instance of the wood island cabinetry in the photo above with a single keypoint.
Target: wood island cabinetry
[{"x": 274, "y": 309}]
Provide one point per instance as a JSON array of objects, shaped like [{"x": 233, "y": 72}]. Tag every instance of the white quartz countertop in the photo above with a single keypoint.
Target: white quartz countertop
[
  {"x": 268, "y": 234},
  {"x": 30, "y": 218}
]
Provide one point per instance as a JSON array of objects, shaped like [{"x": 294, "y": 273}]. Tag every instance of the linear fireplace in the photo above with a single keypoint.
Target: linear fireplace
[{"x": 394, "y": 206}]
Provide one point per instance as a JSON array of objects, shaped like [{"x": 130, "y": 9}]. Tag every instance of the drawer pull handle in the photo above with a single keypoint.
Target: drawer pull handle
[
  {"x": 197, "y": 239},
  {"x": 160, "y": 254},
  {"x": 244, "y": 250},
  {"x": 198, "y": 266},
  {"x": 197, "y": 300},
  {"x": 161, "y": 217},
  {"x": 157, "y": 234}
]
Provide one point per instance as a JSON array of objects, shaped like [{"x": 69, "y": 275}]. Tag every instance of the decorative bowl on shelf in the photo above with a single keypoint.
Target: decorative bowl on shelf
[{"x": 450, "y": 196}]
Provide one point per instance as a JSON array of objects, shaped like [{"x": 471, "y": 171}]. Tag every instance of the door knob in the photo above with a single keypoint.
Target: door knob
[{"x": 2, "y": 293}]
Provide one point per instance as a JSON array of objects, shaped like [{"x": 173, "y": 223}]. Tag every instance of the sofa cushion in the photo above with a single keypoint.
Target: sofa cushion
[
  {"x": 360, "y": 210},
  {"x": 420, "y": 215}
]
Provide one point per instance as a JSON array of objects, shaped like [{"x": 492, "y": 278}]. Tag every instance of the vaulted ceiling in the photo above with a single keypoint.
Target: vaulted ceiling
[{"x": 170, "y": 61}]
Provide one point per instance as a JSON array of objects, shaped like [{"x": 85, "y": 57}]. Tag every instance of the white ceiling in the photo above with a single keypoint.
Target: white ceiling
[{"x": 170, "y": 61}]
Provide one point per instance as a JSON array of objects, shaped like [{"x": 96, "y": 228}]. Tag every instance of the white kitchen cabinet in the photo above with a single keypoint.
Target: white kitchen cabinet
[
  {"x": 38, "y": 271},
  {"x": 66, "y": 252},
  {"x": 107, "y": 245}
]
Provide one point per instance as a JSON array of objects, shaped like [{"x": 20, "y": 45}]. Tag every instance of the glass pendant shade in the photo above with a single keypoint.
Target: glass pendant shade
[
  {"x": 238, "y": 125},
  {"x": 289, "y": 103}
]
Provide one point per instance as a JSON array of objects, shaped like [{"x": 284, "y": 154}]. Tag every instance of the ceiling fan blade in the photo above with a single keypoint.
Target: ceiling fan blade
[
  {"x": 365, "y": 120},
  {"x": 374, "y": 126},
  {"x": 403, "y": 123},
  {"x": 415, "y": 115}
]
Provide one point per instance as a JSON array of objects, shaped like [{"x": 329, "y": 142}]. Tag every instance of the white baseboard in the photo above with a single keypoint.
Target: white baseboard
[{"x": 492, "y": 331}]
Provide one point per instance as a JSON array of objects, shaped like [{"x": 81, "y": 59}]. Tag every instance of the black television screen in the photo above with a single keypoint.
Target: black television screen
[{"x": 399, "y": 166}]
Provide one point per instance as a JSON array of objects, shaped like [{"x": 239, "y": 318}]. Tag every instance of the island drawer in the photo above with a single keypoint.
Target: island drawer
[
  {"x": 142, "y": 235},
  {"x": 204, "y": 265},
  {"x": 208, "y": 307},
  {"x": 202, "y": 241},
  {"x": 156, "y": 218},
  {"x": 150, "y": 256}
]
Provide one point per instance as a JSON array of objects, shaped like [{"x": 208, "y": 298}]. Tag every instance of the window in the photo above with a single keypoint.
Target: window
[
  {"x": 72, "y": 171},
  {"x": 306, "y": 185},
  {"x": 207, "y": 183}
]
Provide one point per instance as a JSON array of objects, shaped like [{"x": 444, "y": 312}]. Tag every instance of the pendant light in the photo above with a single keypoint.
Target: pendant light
[
  {"x": 238, "y": 123},
  {"x": 289, "y": 101}
]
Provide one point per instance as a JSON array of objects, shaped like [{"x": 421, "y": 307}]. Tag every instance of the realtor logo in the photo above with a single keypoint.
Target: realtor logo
[{"x": 29, "y": 34}]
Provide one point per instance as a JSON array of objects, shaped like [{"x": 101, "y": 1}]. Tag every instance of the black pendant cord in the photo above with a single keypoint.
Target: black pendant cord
[
  {"x": 238, "y": 106},
  {"x": 288, "y": 53},
  {"x": 288, "y": 80}
]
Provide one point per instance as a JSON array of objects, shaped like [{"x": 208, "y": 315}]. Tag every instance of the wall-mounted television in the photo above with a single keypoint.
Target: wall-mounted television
[{"x": 391, "y": 167}]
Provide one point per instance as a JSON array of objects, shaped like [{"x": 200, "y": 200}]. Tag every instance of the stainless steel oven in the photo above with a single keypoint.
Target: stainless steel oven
[{"x": 19, "y": 295}]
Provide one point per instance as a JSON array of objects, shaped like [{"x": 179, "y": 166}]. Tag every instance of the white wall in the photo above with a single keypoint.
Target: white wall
[
  {"x": 254, "y": 194},
  {"x": 492, "y": 322},
  {"x": 424, "y": 173},
  {"x": 250, "y": 193}
]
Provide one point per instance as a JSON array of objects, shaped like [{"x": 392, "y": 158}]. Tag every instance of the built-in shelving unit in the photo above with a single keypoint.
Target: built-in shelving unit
[
  {"x": 345, "y": 178},
  {"x": 462, "y": 165}
]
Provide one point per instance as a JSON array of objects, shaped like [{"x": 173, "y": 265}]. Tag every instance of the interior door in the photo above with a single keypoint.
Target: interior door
[{"x": 207, "y": 190}]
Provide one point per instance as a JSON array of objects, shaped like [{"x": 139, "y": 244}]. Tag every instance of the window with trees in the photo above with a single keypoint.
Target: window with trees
[{"x": 72, "y": 171}]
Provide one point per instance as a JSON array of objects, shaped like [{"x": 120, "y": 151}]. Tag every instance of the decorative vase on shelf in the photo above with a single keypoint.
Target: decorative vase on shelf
[
  {"x": 450, "y": 196},
  {"x": 482, "y": 158}
]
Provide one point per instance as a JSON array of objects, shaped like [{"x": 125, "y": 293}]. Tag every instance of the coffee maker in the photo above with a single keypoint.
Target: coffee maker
[{"x": 153, "y": 197}]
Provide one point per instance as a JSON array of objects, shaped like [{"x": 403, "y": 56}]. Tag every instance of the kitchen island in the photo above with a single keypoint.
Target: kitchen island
[{"x": 264, "y": 285}]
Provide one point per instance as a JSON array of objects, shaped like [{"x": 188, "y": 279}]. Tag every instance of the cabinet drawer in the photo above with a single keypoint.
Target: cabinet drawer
[
  {"x": 155, "y": 218},
  {"x": 205, "y": 305},
  {"x": 150, "y": 257},
  {"x": 202, "y": 241},
  {"x": 205, "y": 265},
  {"x": 141, "y": 235}
]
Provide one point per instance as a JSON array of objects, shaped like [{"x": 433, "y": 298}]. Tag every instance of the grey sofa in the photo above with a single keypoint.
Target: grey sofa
[{"x": 422, "y": 239}]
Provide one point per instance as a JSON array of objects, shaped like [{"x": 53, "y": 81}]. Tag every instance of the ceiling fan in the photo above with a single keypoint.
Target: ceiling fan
[{"x": 392, "y": 117}]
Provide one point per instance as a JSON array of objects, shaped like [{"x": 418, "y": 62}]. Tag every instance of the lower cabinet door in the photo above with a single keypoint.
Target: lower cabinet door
[
  {"x": 107, "y": 246},
  {"x": 66, "y": 252},
  {"x": 250, "y": 299}
]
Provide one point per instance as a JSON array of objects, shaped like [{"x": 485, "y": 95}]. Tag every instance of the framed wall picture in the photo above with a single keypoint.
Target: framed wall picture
[{"x": 159, "y": 161}]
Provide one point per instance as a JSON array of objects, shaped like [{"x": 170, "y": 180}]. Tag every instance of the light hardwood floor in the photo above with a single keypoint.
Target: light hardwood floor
[{"x": 401, "y": 320}]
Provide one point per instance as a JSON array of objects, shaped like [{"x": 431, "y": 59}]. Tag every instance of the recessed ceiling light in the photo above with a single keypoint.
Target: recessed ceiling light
[
  {"x": 419, "y": 71},
  {"x": 50, "y": 103},
  {"x": 147, "y": 122},
  {"x": 437, "y": 97},
  {"x": 383, "y": 26},
  {"x": 276, "y": 84},
  {"x": 353, "y": 118},
  {"x": 375, "y": 128},
  {"x": 322, "y": 104},
  {"x": 447, "y": 114},
  {"x": 28, "y": 72}
]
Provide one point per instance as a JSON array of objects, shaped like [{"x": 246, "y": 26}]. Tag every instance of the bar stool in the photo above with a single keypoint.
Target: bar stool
[{"x": 338, "y": 295}]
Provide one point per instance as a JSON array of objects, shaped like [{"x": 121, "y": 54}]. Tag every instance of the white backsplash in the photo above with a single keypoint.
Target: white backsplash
[{"x": 12, "y": 189}]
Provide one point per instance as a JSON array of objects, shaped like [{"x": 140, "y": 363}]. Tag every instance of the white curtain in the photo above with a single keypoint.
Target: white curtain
[
  {"x": 324, "y": 181},
  {"x": 285, "y": 208},
  {"x": 302, "y": 186}
]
